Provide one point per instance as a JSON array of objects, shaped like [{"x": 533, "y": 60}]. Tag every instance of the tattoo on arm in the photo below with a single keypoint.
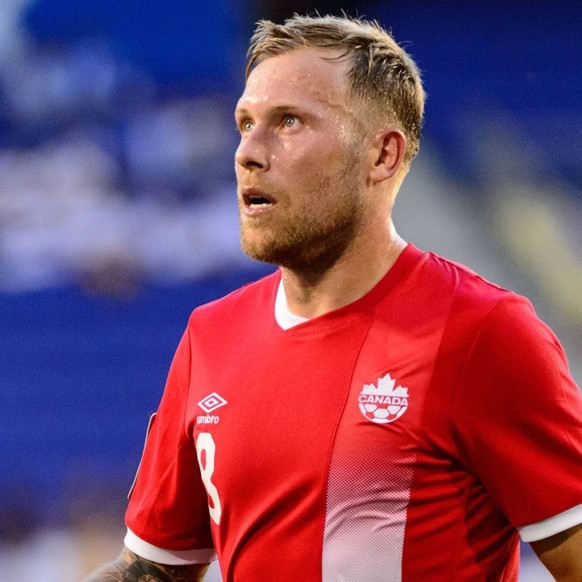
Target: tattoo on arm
[
  {"x": 140, "y": 569},
  {"x": 131, "y": 568}
]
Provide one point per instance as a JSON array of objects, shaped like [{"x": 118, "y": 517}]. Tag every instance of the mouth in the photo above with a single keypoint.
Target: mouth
[{"x": 255, "y": 201}]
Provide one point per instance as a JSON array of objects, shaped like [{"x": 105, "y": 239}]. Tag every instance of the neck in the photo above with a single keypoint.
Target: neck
[{"x": 357, "y": 271}]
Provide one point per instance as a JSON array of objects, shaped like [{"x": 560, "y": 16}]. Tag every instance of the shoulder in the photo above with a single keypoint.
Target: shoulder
[
  {"x": 248, "y": 299},
  {"x": 481, "y": 318},
  {"x": 470, "y": 292},
  {"x": 495, "y": 332}
]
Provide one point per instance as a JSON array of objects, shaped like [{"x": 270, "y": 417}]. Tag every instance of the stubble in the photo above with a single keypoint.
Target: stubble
[{"x": 312, "y": 236}]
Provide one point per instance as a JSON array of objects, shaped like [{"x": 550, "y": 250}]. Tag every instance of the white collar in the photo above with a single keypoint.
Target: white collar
[{"x": 283, "y": 316}]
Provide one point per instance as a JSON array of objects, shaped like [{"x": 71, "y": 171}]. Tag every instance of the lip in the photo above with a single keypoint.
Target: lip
[{"x": 255, "y": 201}]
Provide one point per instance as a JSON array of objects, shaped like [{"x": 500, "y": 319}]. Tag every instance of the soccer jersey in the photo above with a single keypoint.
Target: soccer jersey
[{"x": 407, "y": 436}]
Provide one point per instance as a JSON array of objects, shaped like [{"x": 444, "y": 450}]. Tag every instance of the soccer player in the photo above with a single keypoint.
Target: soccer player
[{"x": 370, "y": 412}]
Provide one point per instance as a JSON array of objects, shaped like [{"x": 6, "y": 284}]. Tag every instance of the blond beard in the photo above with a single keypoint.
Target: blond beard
[{"x": 307, "y": 241}]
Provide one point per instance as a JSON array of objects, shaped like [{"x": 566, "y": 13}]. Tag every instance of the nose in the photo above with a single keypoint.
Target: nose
[{"x": 252, "y": 152}]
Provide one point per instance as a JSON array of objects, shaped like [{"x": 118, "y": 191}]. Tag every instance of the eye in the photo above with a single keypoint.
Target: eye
[
  {"x": 290, "y": 121},
  {"x": 246, "y": 125}
]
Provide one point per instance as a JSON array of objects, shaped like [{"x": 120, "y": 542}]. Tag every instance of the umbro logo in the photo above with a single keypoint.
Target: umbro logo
[
  {"x": 209, "y": 404},
  {"x": 212, "y": 402}
]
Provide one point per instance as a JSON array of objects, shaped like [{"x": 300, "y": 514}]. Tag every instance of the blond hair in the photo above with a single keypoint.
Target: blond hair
[{"x": 382, "y": 75}]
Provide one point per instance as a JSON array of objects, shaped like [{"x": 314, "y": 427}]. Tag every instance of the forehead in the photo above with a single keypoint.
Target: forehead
[{"x": 301, "y": 76}]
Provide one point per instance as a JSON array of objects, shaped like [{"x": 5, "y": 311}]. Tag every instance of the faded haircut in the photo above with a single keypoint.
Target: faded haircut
[{"x": 382, "y": 75}]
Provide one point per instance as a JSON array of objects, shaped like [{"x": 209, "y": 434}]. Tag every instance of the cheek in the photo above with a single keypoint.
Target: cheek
[{"x": 319, "y": 155}]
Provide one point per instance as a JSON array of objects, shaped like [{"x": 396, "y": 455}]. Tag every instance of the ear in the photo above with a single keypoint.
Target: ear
[{"x": 387, "y": 152}]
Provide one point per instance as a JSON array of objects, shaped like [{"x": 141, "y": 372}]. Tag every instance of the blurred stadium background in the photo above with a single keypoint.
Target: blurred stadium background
[{"x": 118, "y": 216}]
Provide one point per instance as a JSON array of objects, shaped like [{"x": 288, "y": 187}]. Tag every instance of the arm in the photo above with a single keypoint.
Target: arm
[
  {"x": 131, "y": 568},
  {"x": 561, "y": 554}
]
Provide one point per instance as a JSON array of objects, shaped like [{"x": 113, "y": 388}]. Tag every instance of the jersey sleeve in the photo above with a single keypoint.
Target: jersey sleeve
[
  {"x": 167, "y": 515},
  {"x": 518, "y": 419}
]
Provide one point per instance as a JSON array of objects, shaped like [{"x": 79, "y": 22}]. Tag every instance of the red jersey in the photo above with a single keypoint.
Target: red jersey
[{"x": 407, "y": 436}]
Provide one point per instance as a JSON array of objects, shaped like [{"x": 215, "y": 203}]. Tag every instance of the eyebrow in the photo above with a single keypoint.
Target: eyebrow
[{"x": 277, "y": 109}]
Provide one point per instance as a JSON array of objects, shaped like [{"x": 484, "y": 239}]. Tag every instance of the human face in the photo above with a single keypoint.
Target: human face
[{"x": 299, "y": 164}]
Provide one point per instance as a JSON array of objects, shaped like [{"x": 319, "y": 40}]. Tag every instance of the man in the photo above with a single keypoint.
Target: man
[{"x": 370, "y": 412}]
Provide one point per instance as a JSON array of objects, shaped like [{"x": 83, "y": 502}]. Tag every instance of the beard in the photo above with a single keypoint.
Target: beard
[{"x": 302, "y": 238}]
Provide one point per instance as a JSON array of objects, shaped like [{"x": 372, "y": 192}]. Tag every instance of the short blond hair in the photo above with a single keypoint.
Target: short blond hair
[{"x": 382, "y": 75}]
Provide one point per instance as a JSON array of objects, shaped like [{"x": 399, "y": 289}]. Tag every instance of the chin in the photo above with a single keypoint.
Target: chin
[{"x": 265, "y": 250}]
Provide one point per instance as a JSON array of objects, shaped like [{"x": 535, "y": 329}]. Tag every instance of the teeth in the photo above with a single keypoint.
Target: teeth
[{"x": 258, "y": 201}]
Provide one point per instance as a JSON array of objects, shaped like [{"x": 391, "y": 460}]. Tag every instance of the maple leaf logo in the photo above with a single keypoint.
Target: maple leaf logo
[
  {"x": 385, "y": 386},
  {"x": 385, "y": 402}
]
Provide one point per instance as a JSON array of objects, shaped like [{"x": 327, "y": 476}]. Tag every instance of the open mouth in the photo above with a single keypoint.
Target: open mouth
[{"x": 256, "y": 199}]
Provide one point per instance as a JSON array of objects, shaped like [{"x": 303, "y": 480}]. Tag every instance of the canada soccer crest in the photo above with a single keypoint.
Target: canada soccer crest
[{"x": 385, "y": 402}]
